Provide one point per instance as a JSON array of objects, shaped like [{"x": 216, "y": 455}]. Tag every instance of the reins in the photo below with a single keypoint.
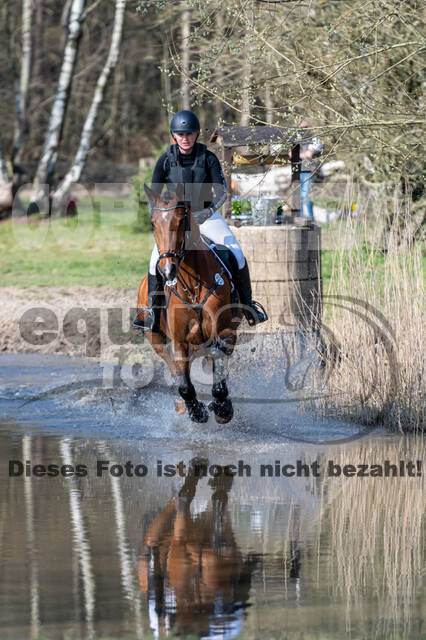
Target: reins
[
  {"x": 180, "y": 254},
  {"x": 198, "y": 308}
]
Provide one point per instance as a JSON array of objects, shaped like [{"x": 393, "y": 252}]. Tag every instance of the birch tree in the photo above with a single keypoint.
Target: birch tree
[
  {"x": 24, "y": 81},
  {"x": 218, "y": 106},
  {"x": 80, "y": 158},
  {"x": 185, "y": 54},
  {"x": 246, "y": 97},
  {"x": 57, "y": 116}
]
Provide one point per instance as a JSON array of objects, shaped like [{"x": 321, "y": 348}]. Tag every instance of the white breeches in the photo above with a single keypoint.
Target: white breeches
[{"x": 216, "y": 229}]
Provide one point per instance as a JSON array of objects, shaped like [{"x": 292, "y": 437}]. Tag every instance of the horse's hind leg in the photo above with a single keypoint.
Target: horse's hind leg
[
  {"x": 221, "y": 405},
  {"x": 197, "y": 410}
]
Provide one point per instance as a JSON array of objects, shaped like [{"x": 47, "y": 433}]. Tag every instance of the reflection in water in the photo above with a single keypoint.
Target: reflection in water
[
  {"x": 376, "y": 531},
  {"x": 81, "y": 542},
  {"x": 124, "y": 557},
  {"x": 127, "y": 579},
  {"x": 191, "y": 568},
  {"x": 31, "y": 544}
]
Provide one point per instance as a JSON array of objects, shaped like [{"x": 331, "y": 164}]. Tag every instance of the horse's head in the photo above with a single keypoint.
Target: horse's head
[{"x": 170, "y": 219}]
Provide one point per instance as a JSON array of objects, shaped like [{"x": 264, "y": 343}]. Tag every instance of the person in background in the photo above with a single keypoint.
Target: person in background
[{"x": 309, "y": 150}]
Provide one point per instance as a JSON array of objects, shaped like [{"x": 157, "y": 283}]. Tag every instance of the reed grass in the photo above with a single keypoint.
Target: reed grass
[
  {"x": 374, "y": 330},
  {"x": 376, "y": 534}
]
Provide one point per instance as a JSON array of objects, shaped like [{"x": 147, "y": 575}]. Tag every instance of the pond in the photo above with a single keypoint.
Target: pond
[{"x": 121, "y": 519}]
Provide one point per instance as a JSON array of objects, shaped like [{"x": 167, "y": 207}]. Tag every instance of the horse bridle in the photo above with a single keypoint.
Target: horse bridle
[
  {"x": 180, "y": 253},
  {"x": 198, "y": 308}
]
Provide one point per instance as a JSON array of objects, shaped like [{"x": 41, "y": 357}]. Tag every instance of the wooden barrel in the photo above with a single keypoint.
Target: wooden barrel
[{"x": 285, "y": 270}]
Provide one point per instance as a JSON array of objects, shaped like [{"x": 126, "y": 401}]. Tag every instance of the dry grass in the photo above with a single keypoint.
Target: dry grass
[
  {"x": 375, "y": 532},
  {"x": 373, "y": 317}
]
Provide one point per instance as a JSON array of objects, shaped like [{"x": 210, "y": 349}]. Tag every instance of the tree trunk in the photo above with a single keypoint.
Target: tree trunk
[
  {"x": 47, "y": 161},
  {"x": 24, "y": 81},
  {"x": 74, "y": 173},
  {"x": 269, "y": 105},
  {"x": 185, "y": 54},
  {"x": 167, "y": 89},
  {"x": 218, "y": 105},
  {"x": 64, "y": 22},
  {"x": 34, "y": 134},
  {"x": 38, "y": 42},
  {"x": 115, "y": 102},
  {"x": 246, "y": 97},
  {"x": 6, "y": 193},
  {"x": 4, "y": 174},
  {"x": 10, "y": 29}
]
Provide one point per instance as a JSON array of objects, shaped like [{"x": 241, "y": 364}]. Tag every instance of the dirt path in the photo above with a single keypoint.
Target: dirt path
[{"x": 75, "y": 320}]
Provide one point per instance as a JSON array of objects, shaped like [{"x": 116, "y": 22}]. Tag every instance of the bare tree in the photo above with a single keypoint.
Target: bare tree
[
  {"x": 24, "y": 83},
  {"x": 269, "y": 105},
  {"x": 185, "y": 53},
  {"x": 6, "y": 190},
  {"x": 245, "y": 98},
  {"x": 80, "y": 158},
  {"x": 38, "y": 44},
  {"x": 4, "y": 173},
  {"x": 166, "y": 84},
  {"x": 361, "y": 82},
  {"x": 57, "y": 117},
  {"x": 65, "y": 16},
  {"x": 218, "y": 105}
]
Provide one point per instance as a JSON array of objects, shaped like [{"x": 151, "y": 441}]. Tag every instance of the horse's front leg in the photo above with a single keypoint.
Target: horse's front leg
[
  {"x": 221, "y": 405},
  {"x": 197, "y": 410}
]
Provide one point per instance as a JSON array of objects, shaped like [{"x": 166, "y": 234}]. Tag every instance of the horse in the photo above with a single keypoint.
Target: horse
[{"x": 201, "y": 314}]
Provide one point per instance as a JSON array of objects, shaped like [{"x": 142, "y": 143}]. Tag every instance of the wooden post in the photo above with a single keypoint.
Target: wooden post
[{"x": 295, "y": 180}]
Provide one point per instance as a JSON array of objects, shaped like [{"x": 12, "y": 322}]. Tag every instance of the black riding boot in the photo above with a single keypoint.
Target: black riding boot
[
  {"x": 151, "y": 320},
  {"x": 253, "y": 311}
]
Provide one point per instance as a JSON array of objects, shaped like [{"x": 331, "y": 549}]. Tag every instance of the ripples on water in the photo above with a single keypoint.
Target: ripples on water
[{"x": 217, "y": 557}]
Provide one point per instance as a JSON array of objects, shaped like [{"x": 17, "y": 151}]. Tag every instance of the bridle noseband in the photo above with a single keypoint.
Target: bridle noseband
[{"x": 181, "y": 252}]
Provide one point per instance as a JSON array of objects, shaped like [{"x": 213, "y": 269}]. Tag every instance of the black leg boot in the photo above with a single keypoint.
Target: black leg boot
[
  {"x": 253, "y": 311},
  {"x": 151, "y": 320}
]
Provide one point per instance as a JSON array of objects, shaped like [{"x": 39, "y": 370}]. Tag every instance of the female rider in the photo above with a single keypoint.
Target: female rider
[{"x": 190, "y": 163}]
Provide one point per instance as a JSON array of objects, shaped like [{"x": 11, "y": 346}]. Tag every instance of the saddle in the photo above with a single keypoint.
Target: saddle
[{"x": 227, "y": 259}]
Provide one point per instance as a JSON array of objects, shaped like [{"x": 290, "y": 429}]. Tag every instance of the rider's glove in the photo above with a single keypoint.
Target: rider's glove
[{"x": 203, "y": 215}]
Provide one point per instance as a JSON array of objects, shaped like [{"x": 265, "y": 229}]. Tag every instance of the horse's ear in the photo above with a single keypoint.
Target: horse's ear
[{"x": 150, "y": 193}]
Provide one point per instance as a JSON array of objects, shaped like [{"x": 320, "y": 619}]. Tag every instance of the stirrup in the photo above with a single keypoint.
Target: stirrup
[
  {"x": 145, "y": 324},
  {"x": 256, "y": 314}
]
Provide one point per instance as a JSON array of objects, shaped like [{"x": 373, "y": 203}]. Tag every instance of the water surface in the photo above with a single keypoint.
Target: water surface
[{"x": 216, "y": 556}]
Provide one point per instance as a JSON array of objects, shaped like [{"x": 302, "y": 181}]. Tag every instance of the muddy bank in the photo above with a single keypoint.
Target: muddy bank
[
  {"x": 76, "y": 321},
  {"x": 80, "y": 321}
]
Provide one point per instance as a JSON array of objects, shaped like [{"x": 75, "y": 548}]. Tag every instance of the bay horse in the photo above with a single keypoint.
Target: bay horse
[{"x": 199, "y": 318}]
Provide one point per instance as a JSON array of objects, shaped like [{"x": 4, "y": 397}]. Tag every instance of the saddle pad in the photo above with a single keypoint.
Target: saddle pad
[{"x": 224, "y": 254}]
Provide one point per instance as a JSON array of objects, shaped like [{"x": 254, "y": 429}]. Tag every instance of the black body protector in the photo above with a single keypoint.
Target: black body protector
[{"x": 196, "y": 192}]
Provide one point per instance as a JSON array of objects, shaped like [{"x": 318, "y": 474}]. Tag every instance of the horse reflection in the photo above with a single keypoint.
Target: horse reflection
[{"x": 196, "y": 579}]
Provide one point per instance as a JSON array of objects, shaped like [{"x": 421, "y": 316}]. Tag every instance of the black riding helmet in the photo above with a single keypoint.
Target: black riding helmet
[{"x": 184, "y": 122}]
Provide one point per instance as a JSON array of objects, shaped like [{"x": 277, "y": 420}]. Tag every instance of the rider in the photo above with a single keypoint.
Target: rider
[{"x": 188, "y": 161}]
